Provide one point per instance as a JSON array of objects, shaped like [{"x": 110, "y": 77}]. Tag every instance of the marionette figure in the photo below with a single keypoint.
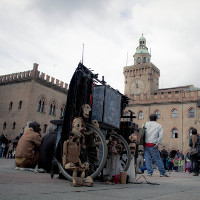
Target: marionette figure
[
  {"x": 131, "y": 169},
  {"x": 71, "y": 153},
  {"x": 86, "y": 111},
  {"x": 132, "y": 145}
]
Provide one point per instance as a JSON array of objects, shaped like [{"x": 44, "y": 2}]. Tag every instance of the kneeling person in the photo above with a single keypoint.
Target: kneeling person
[{"x": 28, "y": 148}]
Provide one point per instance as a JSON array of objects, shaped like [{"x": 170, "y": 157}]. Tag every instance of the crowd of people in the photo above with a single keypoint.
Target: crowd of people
[
  {"x": 28, "y": 152},
  {"x": 163, "y": 160},
  {"x": 7, "y": 146}
]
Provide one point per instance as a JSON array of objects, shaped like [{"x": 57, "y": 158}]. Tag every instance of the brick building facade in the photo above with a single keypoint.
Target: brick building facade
[
  {"x": 30, "y": 96},
  {"x": 178, "y": 108}
]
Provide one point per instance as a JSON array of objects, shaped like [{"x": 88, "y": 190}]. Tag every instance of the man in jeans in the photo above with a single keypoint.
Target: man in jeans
[{"x": 153, "y": 137}]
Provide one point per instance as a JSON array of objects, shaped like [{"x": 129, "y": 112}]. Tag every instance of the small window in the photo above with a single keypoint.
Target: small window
[
  {"x": 10, "y": 105},
  {"x": 191, "y": 113},
  {"x": 138, "y": 60},
  {"x": 13, "y": 125},
  {"x": 144, "y": 60},
  {"x": 4, "y": 126},
  {"x": 140, "y": 115},
  {"x": 20, "y": 105},
  {"x": 45, "y": 128},
  {"x": 174, "y": 133},
  {"x": 157, "y": 112},
  {"x": 174, "y": 113}
]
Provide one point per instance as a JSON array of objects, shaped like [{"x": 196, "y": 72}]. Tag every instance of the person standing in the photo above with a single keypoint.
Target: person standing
[
  {"x": 195, "y": 142},
  {"x": 164, "y": 156},
  {"x": 153, "y": 137},
  {"x": 175, "y": 162},
  {"x": 180, "y": 164}
]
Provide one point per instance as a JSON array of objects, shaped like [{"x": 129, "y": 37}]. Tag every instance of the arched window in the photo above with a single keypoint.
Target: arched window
[
  {"x": 4, "y": 125},
  {"x": 191, "y": 113},
  {"x": 157, "y": 112},
  {"x": 174, "y": 113},
  {"x": 41, "y": 104},
  {"x": 52, "y": 108},
  {"x": 144, "y": 60},
  {"x": 174, "y": 133},
  {"x": 10, "y": 105},
  {"x": 20, "y": 105},
  {"x": 13, "y": 125},
  {"x": 140, "y": 115},
  {"x": 62, "y": 110}
]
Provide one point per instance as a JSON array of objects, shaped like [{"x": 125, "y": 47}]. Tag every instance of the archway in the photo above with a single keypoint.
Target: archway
[{"x": 173, "y": 153}]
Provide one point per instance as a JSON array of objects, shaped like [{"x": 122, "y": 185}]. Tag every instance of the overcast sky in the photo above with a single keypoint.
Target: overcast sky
[{"x": 52, "y": 32}]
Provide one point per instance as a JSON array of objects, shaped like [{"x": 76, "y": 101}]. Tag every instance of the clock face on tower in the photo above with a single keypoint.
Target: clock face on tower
[{"x": 137, "y": 86}]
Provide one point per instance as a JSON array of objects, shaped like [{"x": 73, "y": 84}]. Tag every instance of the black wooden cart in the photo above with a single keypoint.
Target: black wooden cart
[{"x": 107, "y": 106}]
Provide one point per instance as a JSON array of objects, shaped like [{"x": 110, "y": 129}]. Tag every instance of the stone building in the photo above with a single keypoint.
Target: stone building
[
  {"x": 177, "y": 108},
  {"x": 30, "y": 96}
]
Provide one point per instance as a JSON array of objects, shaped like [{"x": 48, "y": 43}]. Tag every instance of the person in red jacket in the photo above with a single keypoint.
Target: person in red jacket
[{"x": 28, "y": 148}]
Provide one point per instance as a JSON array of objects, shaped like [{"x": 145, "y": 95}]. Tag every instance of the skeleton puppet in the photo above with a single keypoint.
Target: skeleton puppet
[{"x": 71, "y": 152}]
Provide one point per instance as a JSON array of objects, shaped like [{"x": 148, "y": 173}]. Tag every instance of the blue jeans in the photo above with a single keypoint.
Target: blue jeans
[{"x": 152, "y": 153}]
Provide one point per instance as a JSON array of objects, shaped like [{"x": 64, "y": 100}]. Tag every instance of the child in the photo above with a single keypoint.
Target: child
[
  {"x": 175, "y": 162},
  {"x": 180, "y": 165},
  {"x": 188, "y": 166}
]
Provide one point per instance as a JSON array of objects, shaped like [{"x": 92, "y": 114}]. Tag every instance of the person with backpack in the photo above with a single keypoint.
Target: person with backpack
[{"x": 153, "y": 137}]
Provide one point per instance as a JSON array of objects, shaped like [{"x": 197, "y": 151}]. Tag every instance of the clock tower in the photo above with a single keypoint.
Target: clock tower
[{"x": 142, "y": 78}]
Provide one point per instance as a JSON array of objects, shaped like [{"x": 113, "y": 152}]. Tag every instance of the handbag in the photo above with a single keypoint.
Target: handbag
[{"x": 194, "y": 151}]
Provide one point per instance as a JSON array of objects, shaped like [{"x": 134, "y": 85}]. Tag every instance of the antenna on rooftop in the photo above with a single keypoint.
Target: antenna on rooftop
[
  {"x": 82, "y": 53},
  {"x": 127, "y": 59}
]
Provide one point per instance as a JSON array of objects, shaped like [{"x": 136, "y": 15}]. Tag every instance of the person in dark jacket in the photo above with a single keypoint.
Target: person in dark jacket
[
  {"x": 164, "y": 156},
  {"x": 47, "y": 149},
  {"x": 195, "y": 142}
]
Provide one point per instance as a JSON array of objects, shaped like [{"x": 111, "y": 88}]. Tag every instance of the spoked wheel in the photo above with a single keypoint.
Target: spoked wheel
[
  {"x": 125, "y": 155},
  {"x": 95, "y": 153}
]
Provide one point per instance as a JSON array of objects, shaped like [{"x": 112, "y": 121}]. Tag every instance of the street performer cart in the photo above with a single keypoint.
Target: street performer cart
[{"x": 107, "y": 151}]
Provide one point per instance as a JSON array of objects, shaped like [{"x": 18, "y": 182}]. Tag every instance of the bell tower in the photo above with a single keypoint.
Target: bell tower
[{"x": 142, "y": 78}]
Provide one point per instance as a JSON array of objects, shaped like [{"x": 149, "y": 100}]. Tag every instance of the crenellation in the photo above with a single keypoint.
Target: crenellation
[
  {"x": 52, "y": 80},
  {"x": 174, "y": 96},
  {"x": 57, "y": 82},
  {"x": 33, "y": 74},
  {"x": 47, "y": 78},
  {"x": 66, "y": 86},
  {"x": 42, "y": 76}
]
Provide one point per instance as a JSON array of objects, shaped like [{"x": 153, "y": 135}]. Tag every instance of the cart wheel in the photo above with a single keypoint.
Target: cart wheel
[
  {"x": 95, "y": 153},
  {"x": 126, "y": 155}
]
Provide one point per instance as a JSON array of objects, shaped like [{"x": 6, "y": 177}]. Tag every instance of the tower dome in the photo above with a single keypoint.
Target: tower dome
[{"x": 142, "y": 55}]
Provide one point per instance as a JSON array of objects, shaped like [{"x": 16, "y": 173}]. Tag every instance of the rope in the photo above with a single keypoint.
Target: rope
[{"x": 145, "y": 180}]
